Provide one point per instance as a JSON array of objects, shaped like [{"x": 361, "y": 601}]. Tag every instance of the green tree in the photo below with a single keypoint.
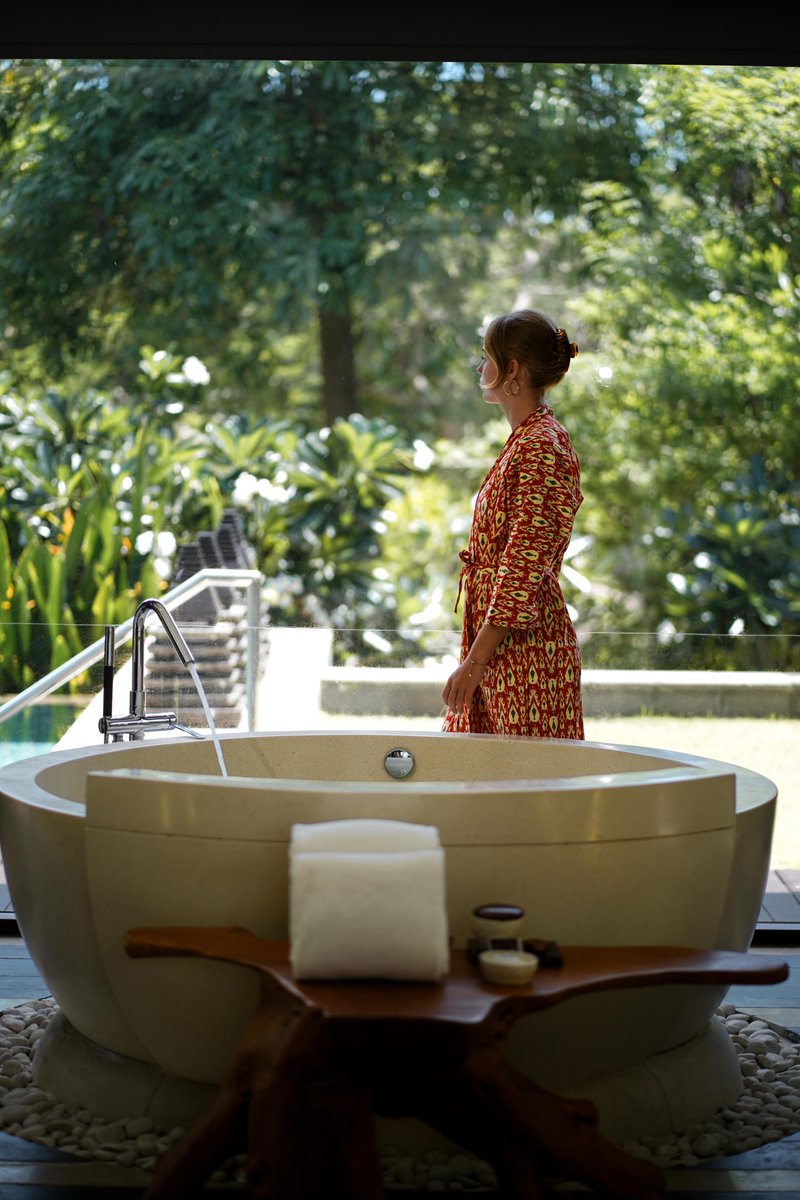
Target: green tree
[
  {"x": 692, "y": 313},
  {"x": 189, "y": 204}
]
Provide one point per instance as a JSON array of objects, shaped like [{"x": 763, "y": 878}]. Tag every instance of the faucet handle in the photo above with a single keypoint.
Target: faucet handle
[
  {"x": 109, "y": 645},
  {"x": 194, "y": 733}
]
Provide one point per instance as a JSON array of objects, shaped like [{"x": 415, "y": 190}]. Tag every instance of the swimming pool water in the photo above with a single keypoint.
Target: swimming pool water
[{"x": 34, "y": 731}]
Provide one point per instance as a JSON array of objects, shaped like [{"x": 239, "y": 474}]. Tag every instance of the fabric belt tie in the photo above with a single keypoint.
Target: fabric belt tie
[{"x": 470, "y": 564}]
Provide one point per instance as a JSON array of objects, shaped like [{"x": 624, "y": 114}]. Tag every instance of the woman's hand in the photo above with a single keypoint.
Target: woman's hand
[{"x": 461, "y": 686}]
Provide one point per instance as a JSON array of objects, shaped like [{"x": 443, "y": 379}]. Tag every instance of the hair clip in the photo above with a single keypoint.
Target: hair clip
[{"x": 565, "y": 345}]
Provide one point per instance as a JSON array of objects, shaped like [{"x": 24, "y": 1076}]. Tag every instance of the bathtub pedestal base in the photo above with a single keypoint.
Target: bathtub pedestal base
[
  {"x": 317, "y": 1058},
  {"x": 693, "y": 1081}
]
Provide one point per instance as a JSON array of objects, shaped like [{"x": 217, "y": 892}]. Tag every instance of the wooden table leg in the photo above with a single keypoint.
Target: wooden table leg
[
  {"x": 561, "y": 1135},
  {"x": 313, "y": 1139},
  {"x": 214, "y": 1137},
  {"x": 283, "y": 1042},
  {"x": 459, "y": 1081}
]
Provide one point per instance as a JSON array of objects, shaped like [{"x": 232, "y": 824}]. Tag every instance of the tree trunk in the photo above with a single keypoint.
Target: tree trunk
[{"x": 338, "y": 365}]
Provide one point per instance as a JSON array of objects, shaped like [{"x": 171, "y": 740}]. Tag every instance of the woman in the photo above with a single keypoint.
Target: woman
[{"x": 520, "y": 663}]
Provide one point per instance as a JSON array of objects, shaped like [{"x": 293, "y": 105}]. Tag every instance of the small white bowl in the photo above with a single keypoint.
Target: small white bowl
[{"x": 508, "y": 967}]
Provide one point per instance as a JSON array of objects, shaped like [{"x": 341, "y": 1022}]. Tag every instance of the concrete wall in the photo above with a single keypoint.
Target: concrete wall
[{"x": 417, "y": 692}]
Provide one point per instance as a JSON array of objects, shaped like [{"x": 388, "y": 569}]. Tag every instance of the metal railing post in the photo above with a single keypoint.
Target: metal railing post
[{"x": 253, "y": 647}]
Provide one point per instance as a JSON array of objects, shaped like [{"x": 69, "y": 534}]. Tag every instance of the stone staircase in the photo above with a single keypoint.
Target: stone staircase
[{"x": 214, "y": 625}]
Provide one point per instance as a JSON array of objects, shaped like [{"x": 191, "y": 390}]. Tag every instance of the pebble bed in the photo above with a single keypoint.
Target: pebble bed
[{"x": 767, "y": 1110}]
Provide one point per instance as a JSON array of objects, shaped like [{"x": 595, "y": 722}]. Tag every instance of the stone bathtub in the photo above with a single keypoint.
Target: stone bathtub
[{"x": 600, "y": 844}]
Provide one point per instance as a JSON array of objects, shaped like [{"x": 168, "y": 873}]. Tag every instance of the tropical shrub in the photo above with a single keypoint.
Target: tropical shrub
[
  {"x": 318, "y": 515},
  {"x": 92, "y": 490},
  {"x": 85, "y": 484},
  {"x": 739, "y": 583},
  {"x": 60, "y": 592}
]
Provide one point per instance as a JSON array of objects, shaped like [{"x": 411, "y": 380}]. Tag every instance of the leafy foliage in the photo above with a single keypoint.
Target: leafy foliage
[
  {"x": 741, "y": 572},
  {"x": 79, "y": 541},
  {"x": 335, "y": 489},
  {"x": 210, "y": 203},
  {"x": 60, "y": 592},
  {"x": 341, "y": 231},
  {"x": 691, "y": 311}
]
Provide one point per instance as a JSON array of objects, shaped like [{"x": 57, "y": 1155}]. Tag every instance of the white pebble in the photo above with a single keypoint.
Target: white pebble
[
  {"x": 32, "y": 1133},
  {"x": 775, "y": 1061},
  {"x": 59, "y": 1125},
  {"x": 11, "y": 1114},
  {"x": 403, "y": 1170},
  {"x": 138, "y": 1125},
  {"x": 735, "y": 1025},
  {"x": 706, "y": 1145},
  {"x": 109, "y": 1135},
  {"x": 146, "y": 1143},
  {"x": 767, "y": 1110}
]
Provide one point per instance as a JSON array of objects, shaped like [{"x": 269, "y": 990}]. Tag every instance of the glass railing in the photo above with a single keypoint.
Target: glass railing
[{"x": 260, "y": 676}]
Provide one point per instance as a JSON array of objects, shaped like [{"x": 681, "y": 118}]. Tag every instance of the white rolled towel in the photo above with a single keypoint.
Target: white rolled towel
[
  {"x": 358, "y": 914},
  {"x": 363, "y": 835}
]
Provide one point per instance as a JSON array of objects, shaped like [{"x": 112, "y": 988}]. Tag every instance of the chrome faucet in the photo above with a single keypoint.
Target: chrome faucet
[{"x": 139, "y": 721}]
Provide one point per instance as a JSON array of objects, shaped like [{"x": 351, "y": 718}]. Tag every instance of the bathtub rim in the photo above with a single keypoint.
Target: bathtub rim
[{"x": 20, "y": 781}]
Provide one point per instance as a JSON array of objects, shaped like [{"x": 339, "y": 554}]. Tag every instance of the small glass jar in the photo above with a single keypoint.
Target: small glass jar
[{"x": 497, "y": 921}]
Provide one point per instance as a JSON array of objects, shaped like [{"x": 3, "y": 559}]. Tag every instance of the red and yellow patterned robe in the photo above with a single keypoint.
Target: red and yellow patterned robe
[{"x": 521, "y": 527}]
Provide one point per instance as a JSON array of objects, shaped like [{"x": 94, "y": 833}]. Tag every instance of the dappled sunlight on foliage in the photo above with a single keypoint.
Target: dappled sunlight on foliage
[{"x": 263, "y": 285}]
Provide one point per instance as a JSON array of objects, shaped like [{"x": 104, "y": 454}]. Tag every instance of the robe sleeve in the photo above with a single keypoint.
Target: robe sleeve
[{"x": 541, "y": 496}]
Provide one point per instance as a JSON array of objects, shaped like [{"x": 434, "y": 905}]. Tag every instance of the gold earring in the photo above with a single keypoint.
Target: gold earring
[{"x": 514, "y": 389}]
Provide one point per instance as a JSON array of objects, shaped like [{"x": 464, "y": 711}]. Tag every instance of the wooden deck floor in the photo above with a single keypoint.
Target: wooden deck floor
[{"x": 780, "y": 909}]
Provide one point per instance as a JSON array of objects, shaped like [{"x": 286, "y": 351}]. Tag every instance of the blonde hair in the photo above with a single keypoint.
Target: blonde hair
[{"x": 541, "y": 348}]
